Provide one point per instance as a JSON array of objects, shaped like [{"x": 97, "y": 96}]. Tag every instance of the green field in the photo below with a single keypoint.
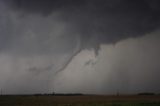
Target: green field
[{"x": 92, "y": 100}]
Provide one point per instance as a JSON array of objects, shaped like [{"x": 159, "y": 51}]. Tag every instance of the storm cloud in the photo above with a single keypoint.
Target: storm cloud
[
  {"x": 39, "y": 38},
  {"x": 95, "y": 22}
]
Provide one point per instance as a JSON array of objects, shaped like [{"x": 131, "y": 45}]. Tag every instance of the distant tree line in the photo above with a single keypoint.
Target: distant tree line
[
  {"x": 60, "y": 94},
  {"x": 146, "y": 93}
]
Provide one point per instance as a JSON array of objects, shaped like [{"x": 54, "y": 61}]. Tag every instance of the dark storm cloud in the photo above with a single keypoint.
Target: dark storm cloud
[
  {"x": 99, "y": 21},
  {"x": 44, "y": 7}
]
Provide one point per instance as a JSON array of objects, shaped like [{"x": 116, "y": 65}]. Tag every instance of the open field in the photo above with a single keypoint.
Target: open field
[{"x": 92, "y": 100}]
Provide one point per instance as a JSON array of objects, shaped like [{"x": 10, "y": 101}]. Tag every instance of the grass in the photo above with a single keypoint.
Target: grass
[{"x": 80, "y": 100}]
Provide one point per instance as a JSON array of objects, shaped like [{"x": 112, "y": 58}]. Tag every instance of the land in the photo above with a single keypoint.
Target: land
[{"x": 79, "y": 100}]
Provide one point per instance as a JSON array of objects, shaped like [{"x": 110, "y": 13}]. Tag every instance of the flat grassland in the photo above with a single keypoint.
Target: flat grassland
[{"x": 85, "y": 100}]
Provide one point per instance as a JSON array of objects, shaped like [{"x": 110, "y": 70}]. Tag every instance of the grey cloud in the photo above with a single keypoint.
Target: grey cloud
[
  {"x": 55, "y": 31},
  {"x": 38, "y": 70}
]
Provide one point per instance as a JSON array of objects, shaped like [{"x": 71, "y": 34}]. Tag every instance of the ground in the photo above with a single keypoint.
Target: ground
[{"x": 85, "y": 100}]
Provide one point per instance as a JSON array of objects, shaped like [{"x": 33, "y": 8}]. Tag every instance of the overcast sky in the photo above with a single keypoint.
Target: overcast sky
[{"x": 79, "y": 46}]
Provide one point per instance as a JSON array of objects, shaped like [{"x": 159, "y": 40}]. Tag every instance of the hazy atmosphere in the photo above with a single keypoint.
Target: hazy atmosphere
[{"x": 79, "y": 46}]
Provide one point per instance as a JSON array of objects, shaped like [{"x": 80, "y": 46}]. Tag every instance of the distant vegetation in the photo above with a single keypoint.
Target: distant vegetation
[
  {"x": 146, "y": 93},
  {"x": 60, "y": 94}
]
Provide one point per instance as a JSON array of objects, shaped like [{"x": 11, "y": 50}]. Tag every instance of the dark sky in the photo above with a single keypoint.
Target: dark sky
[{"x": 60, "y": 44}]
